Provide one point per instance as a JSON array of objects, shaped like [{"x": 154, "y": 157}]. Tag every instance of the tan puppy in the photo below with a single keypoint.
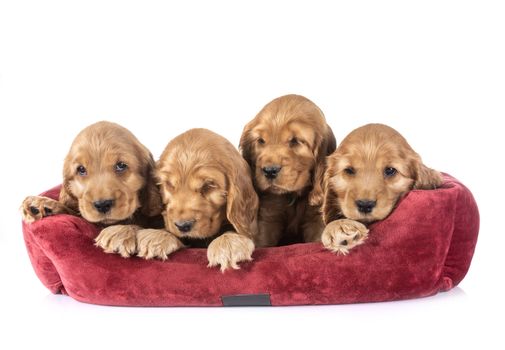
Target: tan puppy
[
  {"x": 285, "y": 146},
  {"x": 208, "y": 196},
  {"x": 370, "y": 171},
  {"x": 108, "y": 178}
]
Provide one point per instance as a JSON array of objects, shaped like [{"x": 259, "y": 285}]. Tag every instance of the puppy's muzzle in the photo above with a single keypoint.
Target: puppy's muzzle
[
  {"x": 365, "y": 206},
  {"x": 103, "y": 205},
  {"x": 184, "y": 226},
  {"x": 271, "y": 171}
]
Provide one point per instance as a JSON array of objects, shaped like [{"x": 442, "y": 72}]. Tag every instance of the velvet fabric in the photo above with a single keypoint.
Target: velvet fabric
[{"x": 424, "y": 247}]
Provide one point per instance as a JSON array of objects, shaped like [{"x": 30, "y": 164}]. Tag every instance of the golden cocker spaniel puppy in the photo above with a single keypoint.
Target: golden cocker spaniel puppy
[
  {"x": 370, "y": 171},
  {"x": 108, "y": 179},
  {"x": 285, "y": 146},
  {"x": 208, "y": 198}
]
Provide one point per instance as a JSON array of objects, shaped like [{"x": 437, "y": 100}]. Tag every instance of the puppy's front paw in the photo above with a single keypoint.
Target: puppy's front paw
[
  {"x": 119, "y": 239},
  {"x": 340, "y": 236},
  {"x": 35, "y": 208},
  {"x": 160, "y": 244},
  {"x": 229, "y": 249}
]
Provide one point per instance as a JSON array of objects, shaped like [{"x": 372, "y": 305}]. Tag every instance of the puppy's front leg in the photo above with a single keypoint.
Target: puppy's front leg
[
  {"x": 342, "y": 235},
  {"x": 35, "y": 208},
  {"x": 269, "y": 233},
  {"x": 313, "y": 225},
  {"x": 154, "y": 243},
  {"x": 229, "y": 249},
  {"x": 271, "y": 223},
  {"x": 119, "y": 239}
]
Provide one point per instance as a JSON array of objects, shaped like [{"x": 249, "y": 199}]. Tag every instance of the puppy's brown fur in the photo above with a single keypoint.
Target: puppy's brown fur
[
  {"x": 206, "y": 190},
  {"x": 374, "y": 164},
  {"x": 105, "y": 162},
  {"x": 289, "y": 133}
]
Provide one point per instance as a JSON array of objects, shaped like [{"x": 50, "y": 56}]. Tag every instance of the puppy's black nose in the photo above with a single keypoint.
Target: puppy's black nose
[
  {"x": 184, "y": 225},
  {"x": 271, "y": 172},
  {"x": 104, "y": 205},
  {"x": 365, "y": 206}
]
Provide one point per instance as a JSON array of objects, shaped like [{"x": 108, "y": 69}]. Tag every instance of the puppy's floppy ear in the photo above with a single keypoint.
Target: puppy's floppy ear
[
  {"x": 330, "y": 208},
  {"x": 242, "y": 201},
  {"x": 327, "y": 145},
  {"x": 150, "y": 197},
  {"x": 424, "y": 178},
  {"x": 66, "y": 197},
  {"x": 247, "y": 143}
]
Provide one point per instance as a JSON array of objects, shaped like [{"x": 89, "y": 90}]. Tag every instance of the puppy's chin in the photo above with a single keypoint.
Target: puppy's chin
[
  {"x": 278, "y": 186},
  {"x": 278, "y": 190},
  {"x": 194, "y": 234},
  {"x": 271, "y": 188},
  {"x": 378, "y": 215},
  {"x": 104, "y": 219},
  {"x": 108, "y": 221}
]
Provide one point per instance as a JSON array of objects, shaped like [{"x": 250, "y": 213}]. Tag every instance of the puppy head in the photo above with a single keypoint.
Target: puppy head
[
  {"x": 286, "y": 144},
  {"x": 108, "y": 175},
  {"x": 204, "y": 182},
  {"x": 370, "y": 170}
]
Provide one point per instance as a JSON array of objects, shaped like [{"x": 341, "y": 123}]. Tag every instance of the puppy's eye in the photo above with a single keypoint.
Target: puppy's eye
[
  {"x": 81, "y": 170},
  {"x": 207, "y": 187},
  {"x": 293, "y": 142},
  {"x": 120, "y": 167},
  {"x": 350, "y": 170},
  {"x": 389, "y": 171},
  {"x": 261, "y": 141}
]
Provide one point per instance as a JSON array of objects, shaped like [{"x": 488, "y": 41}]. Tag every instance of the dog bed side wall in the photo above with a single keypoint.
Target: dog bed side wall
[
  {"x": 464, "y": 239},
  {"x": 42, "y": 265}
]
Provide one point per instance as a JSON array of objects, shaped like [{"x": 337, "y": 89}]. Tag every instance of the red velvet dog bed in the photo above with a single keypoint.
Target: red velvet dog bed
[{"x": 424, "y": 247}]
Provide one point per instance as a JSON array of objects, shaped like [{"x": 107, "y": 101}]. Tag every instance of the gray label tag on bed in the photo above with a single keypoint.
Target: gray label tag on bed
[{"x": 246, "y": 300}]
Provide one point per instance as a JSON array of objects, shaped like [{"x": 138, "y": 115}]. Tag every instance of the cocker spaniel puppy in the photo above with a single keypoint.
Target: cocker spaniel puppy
[
  {"x": 208, "y": 197},
  {"x": 285, "y": 146},
  {"x": 370, "y": 171},
  {"x": 108, "y": 179}
]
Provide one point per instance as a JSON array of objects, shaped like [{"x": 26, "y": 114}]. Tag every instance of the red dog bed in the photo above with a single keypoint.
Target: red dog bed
[{"x": 424, "y": 247}]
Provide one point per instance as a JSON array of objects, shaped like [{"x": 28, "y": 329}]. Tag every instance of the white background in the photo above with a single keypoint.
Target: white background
[{"x": 434, "y": 70}]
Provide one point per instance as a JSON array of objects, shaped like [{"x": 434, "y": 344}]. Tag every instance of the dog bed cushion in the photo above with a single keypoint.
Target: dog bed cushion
[{"x": 424, "y": 247}]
